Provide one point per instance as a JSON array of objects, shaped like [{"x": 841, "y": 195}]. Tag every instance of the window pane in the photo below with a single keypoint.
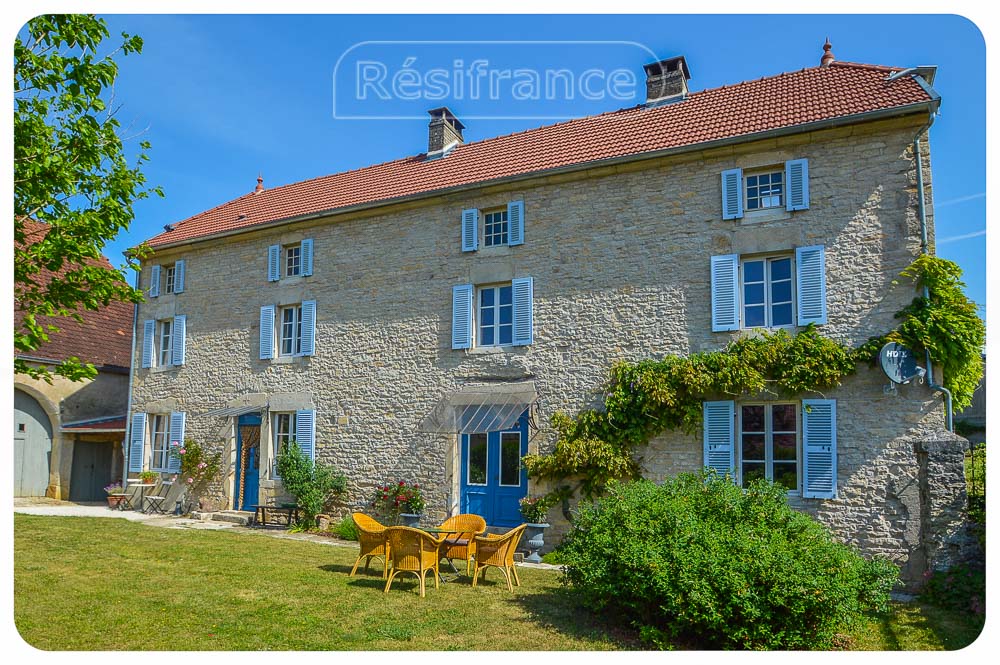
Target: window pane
[
  {"x": 477, "y": 459},
  {"x": 752, "y": 418},
  {"x": 506, "y": 334},
  {"x": 786, "y": 473},
  {"x": 781, "y": 269},
  {"x": 753, "y": 271},
  {"x": 486, "y": 337},
  {"x": 781, "y": 292},
  {"x": 486, "y": 316},
  {"x": 753, "y": 294},
  {"x": 784, "y": 447},
  {"x": 754, "y": 317},
  {"x": 752, "y": 181},
  {"x": 752, "y": 471},
  {"x": 506, "y": 314},
  {"x": 486, "y": 297},
  {"x": 753, "y": 447},
  {"x": 510, "y": 459},
  {"x": 781, "y": 315},
  {"x": 783, "y": 417},
  {"x": 506, "y": 297}
]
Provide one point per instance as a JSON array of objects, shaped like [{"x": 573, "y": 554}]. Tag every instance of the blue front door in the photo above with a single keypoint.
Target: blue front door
[
  {"x": 247, "y": 462},
  {"x": 493, "y": 480}
]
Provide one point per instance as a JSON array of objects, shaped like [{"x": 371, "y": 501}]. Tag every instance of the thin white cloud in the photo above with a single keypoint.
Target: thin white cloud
[
  {"x": 964, "y": 236},
  {"x": 960, "y": 199}
]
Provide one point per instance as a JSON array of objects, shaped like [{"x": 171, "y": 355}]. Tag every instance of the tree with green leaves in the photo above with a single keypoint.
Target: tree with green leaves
[{"x": 74, "y": 186}]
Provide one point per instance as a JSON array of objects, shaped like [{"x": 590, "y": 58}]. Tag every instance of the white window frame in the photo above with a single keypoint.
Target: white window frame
[
  {"x": 771, "y": 171},
  {"x": 169, "y": 273},
  {"x": 292, "y": 258},
  {"x": 769, "y": 441},
  {"x": 163, "y": 463},
  {"x": 503, "y": 236},
  {"x": 295, "y": 338},
  {"x": 767, "y": 259},
  {"x": 279, "y": 437},
  {"x": 496, "y": 317},
  {"x": 164, "y": 342},
  {"x": 468, "y": 458},
  {"x": 500, "y": 482}
]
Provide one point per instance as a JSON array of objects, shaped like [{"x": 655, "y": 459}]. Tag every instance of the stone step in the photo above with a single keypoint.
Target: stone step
[{"x": 241, "y": 517}]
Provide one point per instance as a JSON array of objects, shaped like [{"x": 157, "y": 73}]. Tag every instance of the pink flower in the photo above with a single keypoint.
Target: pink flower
[
  {"x": 190, "y": 480},
  {"x": 182, "y": 451},
  {"x": 202, "y": 465}
]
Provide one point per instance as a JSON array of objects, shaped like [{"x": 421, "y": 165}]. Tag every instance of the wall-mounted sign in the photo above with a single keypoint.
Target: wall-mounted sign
[{"x": 899, "y": 363}]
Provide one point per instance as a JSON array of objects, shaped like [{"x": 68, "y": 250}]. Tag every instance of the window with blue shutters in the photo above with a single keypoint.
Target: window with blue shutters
[
  {"x": 148, "y": 342},
  {"x": 810, "y": 266},
  {"x": 819, "y": 448},
  {"x": 274, "y": 263},
  {"x": 305, "y": 432},
  {"x": 176, "y": 441},
  {"x": 717, "y": 440},
  {"x": 267, "y": 332},
  {"x": 154, "y": 281},
  {"x": 768, "y": 443},
  {"x": 179, "y": 340},
  {"x": 470, "y": 230},
  {"x": 137, "y": 440},
  {"x": 503, "y": 313},
  {"x": 179, "y": 268},
  {"x": 745, "y": 193},
  {"x": 501, "y": 227},
  {"x": 295, "y": 260},
  {"x": 461, "y": 316}
]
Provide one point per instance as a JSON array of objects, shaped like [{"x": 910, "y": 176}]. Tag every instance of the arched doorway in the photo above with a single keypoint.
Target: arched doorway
[{"x": 32, "y": 446}]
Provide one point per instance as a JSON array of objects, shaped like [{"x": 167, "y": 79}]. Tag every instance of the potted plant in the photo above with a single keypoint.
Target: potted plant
[
  {"x": 149, "y": 477},
  {"x": 401, "y": 502},
  {"x": 115, "y": 495},
  {"x": 534, "y": 510}
]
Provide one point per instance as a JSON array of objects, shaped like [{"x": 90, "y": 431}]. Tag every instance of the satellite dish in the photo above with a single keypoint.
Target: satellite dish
[{"x": 899, "y": 363}]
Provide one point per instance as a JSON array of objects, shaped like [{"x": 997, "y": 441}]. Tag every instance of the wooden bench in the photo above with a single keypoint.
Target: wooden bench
[{"x": 260, "y": 517}]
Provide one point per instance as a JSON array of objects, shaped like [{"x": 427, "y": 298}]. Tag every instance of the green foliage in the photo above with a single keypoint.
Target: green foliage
[
  {"x": 646, "y": 398},
  {"x": 347, "y": 529},
  {"x": 198, "y": 469},
  {"x": 313, "y": 484},
  {"x": 700, "y": 560},
  {"x": 962, "y": 587},
  {"x": 74, "y": 187},
  {"x": 535, "y": 508},
  {"x": 946, "y": 324},
  {"x": 400, "y": 497}
]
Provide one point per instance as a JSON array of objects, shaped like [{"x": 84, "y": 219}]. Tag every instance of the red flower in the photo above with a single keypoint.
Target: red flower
[{"x": 401, "y": 483}]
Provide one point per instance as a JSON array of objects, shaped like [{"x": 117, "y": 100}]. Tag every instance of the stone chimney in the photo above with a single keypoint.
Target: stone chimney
[
  {"x": 444, "y": 130},
  {"x": 666, "y": 80}
]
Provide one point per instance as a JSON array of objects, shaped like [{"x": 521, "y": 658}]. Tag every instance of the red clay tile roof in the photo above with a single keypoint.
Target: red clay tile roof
[
  {"x": 104, "y": 338},
  {"x": 786, "y": 100},
  {"x": 116, "y": 424}
]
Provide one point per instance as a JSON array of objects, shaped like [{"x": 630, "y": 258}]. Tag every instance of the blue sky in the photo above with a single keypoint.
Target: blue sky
[{"x": 222, "y": 98}]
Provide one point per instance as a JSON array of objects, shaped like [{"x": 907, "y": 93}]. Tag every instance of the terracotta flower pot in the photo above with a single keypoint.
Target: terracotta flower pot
[{"x": 115, "y": 501}]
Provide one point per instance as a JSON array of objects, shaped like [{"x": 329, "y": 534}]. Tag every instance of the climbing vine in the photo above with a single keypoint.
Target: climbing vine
[{"x": 646, "y": 398}]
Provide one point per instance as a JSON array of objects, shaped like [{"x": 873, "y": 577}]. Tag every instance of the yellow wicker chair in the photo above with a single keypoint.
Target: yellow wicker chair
[
  {"x": 460, "y": 544},
  {"x": 371, "y": 538},
  {"x": 413, "y": 551},
  {"x": 498, "y": 552}
]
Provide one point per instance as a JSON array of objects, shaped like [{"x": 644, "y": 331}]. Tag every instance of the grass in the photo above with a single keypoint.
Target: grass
[{"x": 108, "y": 584}]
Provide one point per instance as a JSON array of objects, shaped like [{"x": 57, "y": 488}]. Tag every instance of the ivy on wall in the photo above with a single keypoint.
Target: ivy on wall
[{"x": 646, "y": 398}]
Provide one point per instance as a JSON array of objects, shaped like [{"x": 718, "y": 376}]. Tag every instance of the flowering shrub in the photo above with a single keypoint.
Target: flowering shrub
[
  {"x": 535, "y": 508},
  {"x": 961, "y": 588},
  {"x": 114, "y": 488},
  {"x": 390, "y": 500},
  {"x": 198, "y": 468}
]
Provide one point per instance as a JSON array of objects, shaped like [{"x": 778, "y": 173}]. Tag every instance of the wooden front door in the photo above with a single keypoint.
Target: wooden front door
[
  {"x": 91, "y": 471},
  {"x": 32, "y": 446}
]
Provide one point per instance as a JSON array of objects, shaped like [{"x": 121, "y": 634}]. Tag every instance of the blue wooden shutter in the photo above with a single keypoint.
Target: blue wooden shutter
[
  {"x": 523, "y": 297},
  {"x": 148, "y": 342},
  {"x": 308, "y": 327},
  {"x": 274, "y": 263},
  {"x": 180, "y": 332},
  {"x": 461, "y": 316},
  {"x": 305, "y": 432},
  {"x": 725, "y": 292},
  {"x": 267, "y": 332},
  {"x": 307, "y": 257},
  {"x": 810, "y": 271},
  {"x": 797, "y": 179},
  {"x": 732, "y": 194},
  {"x": 819, "y": 448},
  {"x": 154, "y": 281},
  {"x": 719, "y": 446},
  {"x": 515, "y": 223},
  {"x": 179, "y": 277},
  {"x": 176, "y": 436},
  {"x": 137, "y": 438},
  {"x": 470, "y": 230}
]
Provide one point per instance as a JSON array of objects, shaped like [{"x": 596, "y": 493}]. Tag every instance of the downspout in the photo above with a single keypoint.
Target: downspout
[
  {"x": 131, "y": 379},
  {"x": 924, "y": 246}
]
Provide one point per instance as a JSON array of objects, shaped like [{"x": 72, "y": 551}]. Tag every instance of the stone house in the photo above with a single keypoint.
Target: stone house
[
  {"x": 424, "y": 318},
  {"x": 68, "y": 435}
]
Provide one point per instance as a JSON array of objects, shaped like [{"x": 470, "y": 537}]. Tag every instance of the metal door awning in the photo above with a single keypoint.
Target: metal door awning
[
  {"x": 480, "y": 408},
  {"x": 232, "y": 411}
]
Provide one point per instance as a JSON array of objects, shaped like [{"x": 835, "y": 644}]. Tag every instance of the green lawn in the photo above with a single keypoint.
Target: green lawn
[{"x": 108, "y": 584}]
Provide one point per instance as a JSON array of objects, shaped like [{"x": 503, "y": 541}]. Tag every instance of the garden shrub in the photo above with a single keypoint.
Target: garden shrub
[
  {"x": 313, "y": 484},
  {"x": 699, "y": 560},
  {"x": 347, "y": 529},
  {"x": 962, "y": 588}
]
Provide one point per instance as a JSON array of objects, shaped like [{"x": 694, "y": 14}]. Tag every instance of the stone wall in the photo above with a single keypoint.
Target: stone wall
[{"x": 620, "y": 261}]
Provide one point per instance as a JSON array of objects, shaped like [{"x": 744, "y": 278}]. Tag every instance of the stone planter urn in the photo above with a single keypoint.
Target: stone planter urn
[
  {"x": 534, "y": 540},
  {"x": 409, "y": 519}
]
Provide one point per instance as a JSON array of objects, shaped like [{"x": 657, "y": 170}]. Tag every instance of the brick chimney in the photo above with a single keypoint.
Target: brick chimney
[
  {"x": 444, "y": 130},
  {"x": 666, "y": 80}
]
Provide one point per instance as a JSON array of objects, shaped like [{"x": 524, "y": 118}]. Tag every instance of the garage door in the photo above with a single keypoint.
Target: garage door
[{"x": 32, "y": 446}]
